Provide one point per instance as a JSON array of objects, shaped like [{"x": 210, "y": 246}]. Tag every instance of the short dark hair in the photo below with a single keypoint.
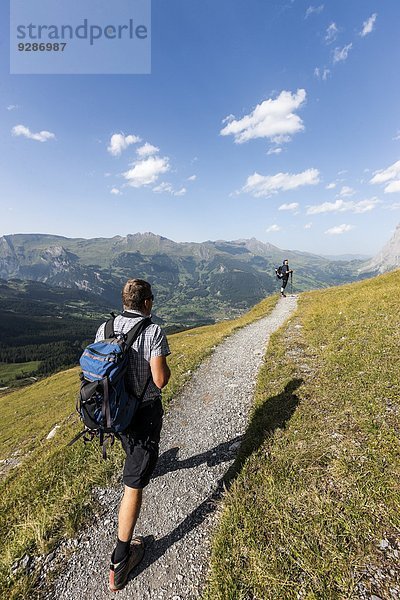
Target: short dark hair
[{"x": 134, "y": 293}]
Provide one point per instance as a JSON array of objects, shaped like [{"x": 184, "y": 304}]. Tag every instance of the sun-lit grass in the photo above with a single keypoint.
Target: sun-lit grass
[
  {"x": 320, "y": 487},
  {"x": 48, "y": 495}
]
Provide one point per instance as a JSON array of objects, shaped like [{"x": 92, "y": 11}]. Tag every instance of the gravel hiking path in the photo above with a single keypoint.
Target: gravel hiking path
[{"x": 201, "y": 436}]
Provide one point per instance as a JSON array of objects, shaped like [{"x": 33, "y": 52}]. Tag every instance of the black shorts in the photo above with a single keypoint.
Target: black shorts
[{"x": 141, "y": 445}]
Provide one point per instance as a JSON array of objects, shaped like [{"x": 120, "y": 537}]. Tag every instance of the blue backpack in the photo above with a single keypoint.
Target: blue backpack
[{"x": 105, "y": 404}]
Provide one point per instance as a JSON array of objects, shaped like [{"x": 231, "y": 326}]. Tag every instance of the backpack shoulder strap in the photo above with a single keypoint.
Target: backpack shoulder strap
[
  {"x": 136, "y": 330},
  {"x": 109, "y": 329}
]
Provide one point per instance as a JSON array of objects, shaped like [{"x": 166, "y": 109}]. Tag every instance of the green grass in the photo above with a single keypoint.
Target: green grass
[
  {"x": 48, "y": 495},
  {"x": 318, "y": 486},
  {"x": 10, "y": 371}
]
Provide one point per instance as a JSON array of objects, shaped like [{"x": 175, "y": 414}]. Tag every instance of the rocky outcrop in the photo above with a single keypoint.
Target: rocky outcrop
[
  {"x": 388, "y": 258},
  {"x": 8, "y": 258}
]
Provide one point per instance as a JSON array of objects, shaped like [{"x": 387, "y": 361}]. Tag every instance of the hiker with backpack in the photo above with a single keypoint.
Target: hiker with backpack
[
  {"x": 282, "y": 274},
  {"x": 146, "y": 348}
]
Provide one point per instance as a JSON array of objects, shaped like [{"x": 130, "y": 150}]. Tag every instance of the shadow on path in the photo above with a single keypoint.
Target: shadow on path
[
  {"x": 169, "y": 461},
  {"x": 274, "y": 413}
]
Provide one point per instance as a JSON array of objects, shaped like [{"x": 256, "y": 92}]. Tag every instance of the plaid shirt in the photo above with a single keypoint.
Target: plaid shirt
[{"x": 152, "y": 342}]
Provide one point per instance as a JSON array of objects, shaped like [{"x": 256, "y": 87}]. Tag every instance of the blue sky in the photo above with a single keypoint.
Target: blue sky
[{"x": 261, "y": 118}]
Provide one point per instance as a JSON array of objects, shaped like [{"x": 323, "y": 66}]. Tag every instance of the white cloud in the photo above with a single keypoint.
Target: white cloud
[
  {"x": 393, "y": 186},
  {"x": 192, "y": 178},
  {"x": 12, "y": 107},
  {"x": 147, "y": 150},
  {"x": 292, "y": 206},
  {"x": 229, "y": 118},
  {"x": 347, "y": 191},
  {"x": 390, "y": 176},
  {"x": 266, "y": 185},
  {"x": 41, "y": 136},
  {"x": 311, "y": 10},
  {"x": 147, "y": 171},
  {"x": 394, "y": 206},
  {"x": 273, "y": 229},
  {"x": 272, "y": 119},
  {"x": 339, "y": 229},
  {"x": 163, "y": 188},
  {"x": 331, "y": 33},
  {"x": 120, "y": 142},
  {"x": 368, "y": 25},
  {"x": 322, "y": 73},
  {"x": 363, "y": 206},
  {"x": 384, "y": 175},
  {"x": 167, "y": 188},
  {"x": 325, "y": 207},
  {"x": 274, "y": 151},
  {"x": 330, "y": 186},
  {"x": 281, "y": 139},
  {"x": 341, "y": 54},
  {"x": 115, "y": 191},
  {"x": 397, "y": 136},
  {"x": 359, "y": 207},
  {"x": 308, "y": 226}
]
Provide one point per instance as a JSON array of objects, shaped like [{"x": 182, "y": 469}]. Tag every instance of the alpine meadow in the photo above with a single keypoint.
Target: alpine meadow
[{"x": 314, "y": 511}]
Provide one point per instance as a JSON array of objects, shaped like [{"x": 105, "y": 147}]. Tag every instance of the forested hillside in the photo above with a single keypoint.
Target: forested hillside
[
  {"x": 194, "y": 283},
  {"x": 43, "y": 328},
  {"x": 56, "y": 290}
]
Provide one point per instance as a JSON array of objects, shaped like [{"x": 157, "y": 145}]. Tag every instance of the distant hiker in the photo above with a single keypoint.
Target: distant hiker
[
  {"x": 283, "y": 273},
  {"x": 147, "y": 372}
]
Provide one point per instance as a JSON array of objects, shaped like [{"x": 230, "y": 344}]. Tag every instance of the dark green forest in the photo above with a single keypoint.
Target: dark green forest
[{"x": 50, "y": 325}]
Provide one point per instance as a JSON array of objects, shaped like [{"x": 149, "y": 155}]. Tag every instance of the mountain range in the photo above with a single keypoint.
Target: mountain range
[
  {"x": 55, "y": 291},
  {"x": 194, "y": 283}
]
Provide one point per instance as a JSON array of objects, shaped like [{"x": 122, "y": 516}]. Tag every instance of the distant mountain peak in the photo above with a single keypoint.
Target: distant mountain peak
[
  {"x": 256, "y": 246},
  {"x": 388, "y": 258},
  {"x": 147, "y": 235}
]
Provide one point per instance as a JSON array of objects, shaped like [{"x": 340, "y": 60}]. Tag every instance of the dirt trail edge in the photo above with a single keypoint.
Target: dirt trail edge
[{"x": 200, "y": 439}]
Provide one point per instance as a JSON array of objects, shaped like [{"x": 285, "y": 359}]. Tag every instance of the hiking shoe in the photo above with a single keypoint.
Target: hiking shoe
[
  {"x": 119, "y": 572},
  {"x": 283, "y": 295}
]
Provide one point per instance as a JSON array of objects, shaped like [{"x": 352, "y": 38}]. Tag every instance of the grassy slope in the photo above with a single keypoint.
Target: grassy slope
[
  {"x": 48, "y": 495},
  {"x": 319, "y": 488}
]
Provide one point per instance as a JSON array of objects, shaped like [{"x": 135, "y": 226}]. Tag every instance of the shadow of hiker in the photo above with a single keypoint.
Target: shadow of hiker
[
  {"x": 169, "y": 461},
  {"x": 274, "y": 413}
]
